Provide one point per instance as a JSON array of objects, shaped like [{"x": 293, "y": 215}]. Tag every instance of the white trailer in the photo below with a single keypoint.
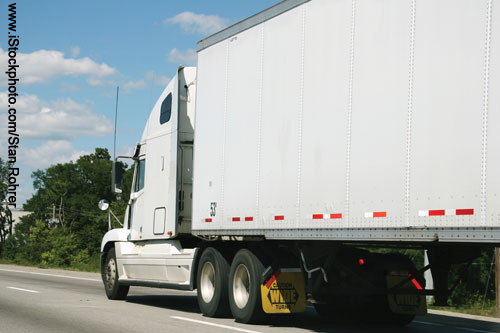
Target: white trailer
[{"x": 305, "y": 130}]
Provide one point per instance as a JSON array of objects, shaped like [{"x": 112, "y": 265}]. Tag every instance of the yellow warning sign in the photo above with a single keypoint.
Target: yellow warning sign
[{"x": 284, "y": 292}]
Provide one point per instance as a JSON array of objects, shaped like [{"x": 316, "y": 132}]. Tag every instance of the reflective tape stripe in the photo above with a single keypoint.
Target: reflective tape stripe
[
  {"x": 208, "y": 220},
  {"x": 326, "y": 216},
  {"x": 445, "y": 212},
  {"x": 465, "y": 211},
  {"x": 423, "y": 213},
  {"x": 375, "y": 214},
  {"x": 437, "y": 212}
]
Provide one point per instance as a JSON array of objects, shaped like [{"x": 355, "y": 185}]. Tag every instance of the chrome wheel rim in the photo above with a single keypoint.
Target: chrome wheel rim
[
  {"x": 207, "y": 283},
  {"x": 110, "y": 273},
  {"x": 241, "y": 286}
]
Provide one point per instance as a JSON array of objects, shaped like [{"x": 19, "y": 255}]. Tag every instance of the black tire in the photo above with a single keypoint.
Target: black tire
[
  {"x": 244, "y": 281},
  {"x": 113, "y": 288},
  {"x": 334, "y": 312},
  {"x": 211, "y": 282},
  {"x": 400, "y": 320}
]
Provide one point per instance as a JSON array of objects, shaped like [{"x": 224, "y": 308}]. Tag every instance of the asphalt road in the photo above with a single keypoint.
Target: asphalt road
[{"x": 42, "y": 300}]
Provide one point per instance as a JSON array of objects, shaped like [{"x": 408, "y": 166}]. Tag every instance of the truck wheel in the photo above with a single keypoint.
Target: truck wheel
[
  {"x": 244, "y": 287},
  {"x": 110, "y": 278},
  {"x": 212, "y": 277}
]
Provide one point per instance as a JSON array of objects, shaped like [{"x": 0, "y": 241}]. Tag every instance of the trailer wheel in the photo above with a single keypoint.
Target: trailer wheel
[
  {"x": 400, "y": 320},
  {"x": 212, "y": 277},
  {"x": 113, "y": 288},
  {"x": 244, "y": 289},
  {"x": 337, "y": 311}
]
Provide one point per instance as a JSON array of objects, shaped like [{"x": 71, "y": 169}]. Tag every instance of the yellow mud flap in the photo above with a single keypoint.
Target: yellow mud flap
[
  {"x": 405, "y": 303},
  {"x": 284, "y": 292}
]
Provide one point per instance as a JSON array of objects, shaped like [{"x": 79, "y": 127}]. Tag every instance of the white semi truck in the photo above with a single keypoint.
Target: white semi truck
[{"x": 307, "y": 134}]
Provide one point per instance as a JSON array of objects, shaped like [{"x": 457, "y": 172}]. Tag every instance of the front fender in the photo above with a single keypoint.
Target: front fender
[{"x": 114, "y": 235}]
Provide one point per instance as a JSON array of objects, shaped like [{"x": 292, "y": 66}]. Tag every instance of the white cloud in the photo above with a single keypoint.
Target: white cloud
[
  {"x": 125, "y": 150},
  {"x": 133, "y": 85},
  {"x": 157, "y": 79},
  {"x": 94, "y": 82},
  {"x": 187, "y": 57},
  {"x": 126, "y": 87},
  {"x": 198, "y": 23},
  {"x": 43, "y": 65},
  {"x": 75, "y": 51},
  {"x": 56, "y": 120},
  {"x": 49, "y": 153}
]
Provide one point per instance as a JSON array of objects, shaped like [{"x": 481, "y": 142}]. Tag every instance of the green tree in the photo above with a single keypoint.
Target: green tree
[
  {"x": 69, "y": 192},
  {"x": 66, "y": 227}
]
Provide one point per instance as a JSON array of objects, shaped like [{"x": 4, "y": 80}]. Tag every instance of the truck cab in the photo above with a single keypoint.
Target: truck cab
[
  {"x": 147, "y": 250},
  {"x": 160, "y": 201}
]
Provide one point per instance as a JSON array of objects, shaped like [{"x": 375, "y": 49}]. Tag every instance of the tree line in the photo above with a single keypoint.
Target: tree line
[{"x": 65, "y": 227}]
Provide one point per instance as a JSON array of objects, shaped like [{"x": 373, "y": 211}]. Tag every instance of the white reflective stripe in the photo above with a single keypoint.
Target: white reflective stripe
[
  {"x": 423, "y": 213},
  {"x": 369, "y": 214},
  {"x": 326, "y": 216},
  {"x": 449, "y": 212}
]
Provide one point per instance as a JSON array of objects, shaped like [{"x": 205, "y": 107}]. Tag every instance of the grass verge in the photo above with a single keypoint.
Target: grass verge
[
  {"x": 92, "y": 265},
  {"x": 488, "y": 309}
]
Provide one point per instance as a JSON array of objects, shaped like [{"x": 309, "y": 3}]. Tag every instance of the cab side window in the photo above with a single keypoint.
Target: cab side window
[
  {"x": 139, "y": 179},
  {"x": 166, "y": 109}
]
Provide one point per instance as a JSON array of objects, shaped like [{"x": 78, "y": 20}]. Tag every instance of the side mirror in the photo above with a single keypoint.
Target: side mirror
[
  {"x": 117, "y": 177},
  {"x": 103, "y": 204}
]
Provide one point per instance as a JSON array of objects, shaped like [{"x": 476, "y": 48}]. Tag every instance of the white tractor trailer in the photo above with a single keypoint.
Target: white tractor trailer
[{"x": 307, "y": 134}]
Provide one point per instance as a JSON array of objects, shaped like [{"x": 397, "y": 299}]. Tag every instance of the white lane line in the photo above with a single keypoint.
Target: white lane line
[
  {"x": 54, "y": 275},
  {"x": 426, "y": 323},
  {"x": 21, "y": 289},
  {"x": 214, "y": 324}
]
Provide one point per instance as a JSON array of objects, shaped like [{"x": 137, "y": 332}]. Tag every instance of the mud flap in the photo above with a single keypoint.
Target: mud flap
[
  {"x": 405, "y": 303},
  {"x": 284, "y": 292}
]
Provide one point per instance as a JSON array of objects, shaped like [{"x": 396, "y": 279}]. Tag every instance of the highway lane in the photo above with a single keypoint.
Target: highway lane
[{"x": 41, "y": 300}]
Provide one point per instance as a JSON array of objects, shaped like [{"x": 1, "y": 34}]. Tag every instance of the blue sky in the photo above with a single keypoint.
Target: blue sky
[{"x": 73, "y": 55}]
